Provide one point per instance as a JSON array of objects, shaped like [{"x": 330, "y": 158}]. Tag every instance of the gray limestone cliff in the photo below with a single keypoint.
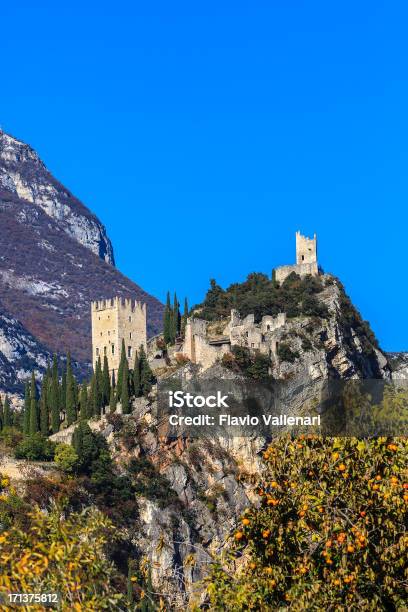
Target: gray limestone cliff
[{"x": 24, "y": 174}]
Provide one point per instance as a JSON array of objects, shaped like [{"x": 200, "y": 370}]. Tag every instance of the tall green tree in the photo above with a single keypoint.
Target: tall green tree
[
  {"x": 112, "y": 401},
  {"x": 99, "y": 386},
  {"x": 44, "y": 407},
  {"x": 136, "y": 376},
  {"x": 27, "y": 408},
  {"x": 167, "y": 321},
  {"x": 70, "y": 407},
  {"x": 147, "y": 378},
  {"x": 54, "y": 404},
  {"x": 7, "y": 416},
  {"x": 63, "y": 391},
  {"x": 123, "y": 359},
  {"x": 106, "y": 381},
  {"x": 93, "y": 397},
  {"x": 124, "y": 397},
  {"x": 83, "y": 402},
  {"x": 175, "y": 319},
  {"x": 184, "y": 318},
  {"x": 34, "y": 416}
]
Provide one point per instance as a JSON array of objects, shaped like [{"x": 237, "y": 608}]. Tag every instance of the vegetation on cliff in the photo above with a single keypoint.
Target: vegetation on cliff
[
  {"x": 261, "y": 296},
  {"x": 330, "y": 531}
]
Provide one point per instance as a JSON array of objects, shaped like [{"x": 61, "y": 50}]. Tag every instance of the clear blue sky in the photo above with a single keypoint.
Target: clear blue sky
[{"x": 204, "y": 134}]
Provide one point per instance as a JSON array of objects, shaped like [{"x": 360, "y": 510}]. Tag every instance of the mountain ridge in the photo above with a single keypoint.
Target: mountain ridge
[{"x": 50, "y": 269}]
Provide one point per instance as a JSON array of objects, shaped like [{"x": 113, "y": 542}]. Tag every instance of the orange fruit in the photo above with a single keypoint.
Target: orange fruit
[
  {"x": 239, "y": 535},
  {"x": 342, "y": 467}
]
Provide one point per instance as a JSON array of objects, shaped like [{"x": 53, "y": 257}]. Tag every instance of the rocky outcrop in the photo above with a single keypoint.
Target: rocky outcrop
[
  {"x": 22, "y": 173},
  {"x": 399, "y": 365},
  {"x": 340, "y": 346},
  {"x": 195, "y": 489}
]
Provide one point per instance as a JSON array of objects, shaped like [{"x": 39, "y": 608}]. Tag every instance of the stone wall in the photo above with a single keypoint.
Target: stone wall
[
  {"x": 239, "y": 332},
  {"x": 198, "y": 348},
  {"x": 302, "y": 270},
  {"x": 256, "y": 336}
]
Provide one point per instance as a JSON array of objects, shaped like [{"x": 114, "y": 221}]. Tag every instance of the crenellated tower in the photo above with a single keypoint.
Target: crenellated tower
[{"x": 114, "y": 320}]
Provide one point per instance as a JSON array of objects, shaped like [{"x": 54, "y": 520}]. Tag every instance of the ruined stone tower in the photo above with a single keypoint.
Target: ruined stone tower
[
  {"x": 306, "y": 259},
  {"x": 306, "y": 249},
  {"x": 114, "y": 320}
]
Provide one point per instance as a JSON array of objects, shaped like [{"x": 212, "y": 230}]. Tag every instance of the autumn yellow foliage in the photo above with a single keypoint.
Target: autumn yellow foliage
[
  {"x": 330, "y": 531},
  {"x": 58, "y": 554}
]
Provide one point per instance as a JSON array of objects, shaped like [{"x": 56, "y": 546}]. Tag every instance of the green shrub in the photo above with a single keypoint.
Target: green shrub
[
  {"x": 66, "y": 458},
  {"x": 285, "y": 353},
  {"x": 35, "y": 448},
  {"x": 243, "y": 361}
]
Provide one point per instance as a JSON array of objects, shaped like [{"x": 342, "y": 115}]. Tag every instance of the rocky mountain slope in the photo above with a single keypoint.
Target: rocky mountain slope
[
  {"x": 55, "y": 258},
  {"x": 23, "y": 174}
]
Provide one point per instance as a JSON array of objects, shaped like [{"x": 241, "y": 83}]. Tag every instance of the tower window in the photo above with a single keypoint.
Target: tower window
[
  {"x": 104, "y": 350},
  {"x": 113, "y": 349},
  {"x": 303, "y": 257},
  {"x": 129, "y": 351},
  {"x": 130, "y": 335},
  {"x": 130, "y": 319},
  {"x": 97, "y": 352},
  {"x": 268, "y": 328}
]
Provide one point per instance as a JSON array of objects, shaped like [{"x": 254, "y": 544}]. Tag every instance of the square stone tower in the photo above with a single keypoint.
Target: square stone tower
[
  {"x": 306, "y": 249},
  {"x": 114, "y": 320},
  {"x": 306, "y": 259}
]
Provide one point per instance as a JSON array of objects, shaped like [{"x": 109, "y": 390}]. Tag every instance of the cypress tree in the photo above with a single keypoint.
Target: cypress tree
[
  {"x": 185, "y": 317},
  {"x": 136, "y": 376},
  {"x": 123, "y": 359},
  {"x": 106, "y": 381},
  {"x": 44, "y": 413},
  {"x": 54, "y": 404},
  {"x": 6, "y": 413},
  {"x": 63, "y": 391},
  {"x": 167, "y": 324},
  {"x": 147, "y": 378},
  {"x": 175, "y": 319},
  {"x": 27, "y": 407},
  {"x": 1, "y": 415},
  {"x": 112, "y": 401},
  {"x": 94, "y": 406},
  {"x": 83, "y": 402},
  {"x": 99, "y": 386},
  {"x": 125, "y": 388},
  {"x": 70, "y": 408},
  {"x": 34, "y": 420}
]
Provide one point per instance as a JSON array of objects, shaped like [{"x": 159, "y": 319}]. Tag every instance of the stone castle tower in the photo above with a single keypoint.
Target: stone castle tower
[
  {"x": 306, "y": 259},
  {"x": 306, "y": 249},
  {"x": 114, "y": 320}
]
